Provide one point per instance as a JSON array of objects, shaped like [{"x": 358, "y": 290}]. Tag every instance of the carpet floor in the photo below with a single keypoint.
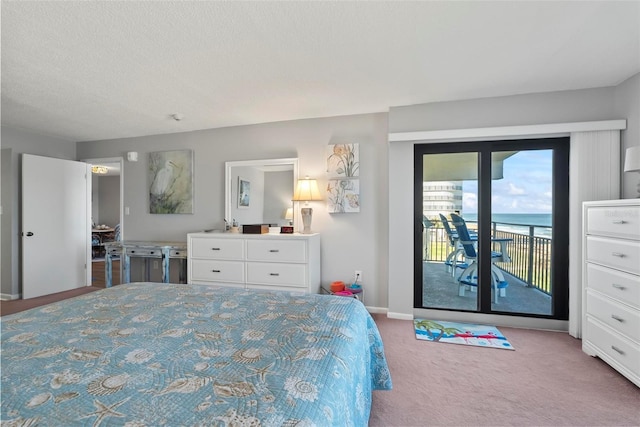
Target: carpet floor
[{"x": 547, "y": 381}]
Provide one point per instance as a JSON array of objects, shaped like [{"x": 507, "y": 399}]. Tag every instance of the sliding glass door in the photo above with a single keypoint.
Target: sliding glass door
[{"x": 491, "y": 222}]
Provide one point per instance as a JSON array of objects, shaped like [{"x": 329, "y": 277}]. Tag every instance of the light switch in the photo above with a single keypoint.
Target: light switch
[{"x": 126, "y": 210}]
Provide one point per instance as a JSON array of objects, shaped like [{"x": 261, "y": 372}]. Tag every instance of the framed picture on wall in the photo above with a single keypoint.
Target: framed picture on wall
[
  {"x": 244, "y": 193},
  {"x": 170, "y": 175}
]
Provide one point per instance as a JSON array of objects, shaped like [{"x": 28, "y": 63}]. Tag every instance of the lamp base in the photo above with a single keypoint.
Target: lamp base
[{"x": 306, "y": 220}]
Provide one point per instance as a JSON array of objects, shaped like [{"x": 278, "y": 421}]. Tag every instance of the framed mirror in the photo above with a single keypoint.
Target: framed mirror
[{"x": 260, "y": 191}]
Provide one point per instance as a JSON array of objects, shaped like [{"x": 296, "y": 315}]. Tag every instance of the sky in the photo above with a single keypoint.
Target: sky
[{"x": 526, "y": 186}]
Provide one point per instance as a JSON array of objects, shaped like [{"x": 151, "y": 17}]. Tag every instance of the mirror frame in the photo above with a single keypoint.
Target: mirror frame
[{"x": 228, "y": 202}]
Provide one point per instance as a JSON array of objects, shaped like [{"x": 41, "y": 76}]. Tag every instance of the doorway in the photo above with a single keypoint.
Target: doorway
[
  {"x": 491, "y": 221},
  {"x": 106, "y": 215}
]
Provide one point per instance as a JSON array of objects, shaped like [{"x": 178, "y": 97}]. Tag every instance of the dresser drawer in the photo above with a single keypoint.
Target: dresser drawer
[
  {"x": 276, "y": 250},
  {"x": 621, "y": 221},
  {"x": 620, "y": 254},
  {"x": 212, "y": 248},
  {"x": 616, "y": 284},
  {"x": 613, "y": 345},
  {"x": 277, "y": 274},
  {"x": 219, "y": 271},
  {"x": 617, "y": 316}
]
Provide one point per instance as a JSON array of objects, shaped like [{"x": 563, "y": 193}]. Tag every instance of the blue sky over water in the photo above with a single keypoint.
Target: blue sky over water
[{"x": 526, "y": 186}]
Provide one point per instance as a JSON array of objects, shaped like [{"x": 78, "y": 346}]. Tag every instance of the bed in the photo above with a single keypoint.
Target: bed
[{"x": 149, "y": 354}]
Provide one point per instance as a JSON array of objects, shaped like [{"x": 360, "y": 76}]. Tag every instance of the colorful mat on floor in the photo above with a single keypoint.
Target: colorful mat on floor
[{"x": 460, "y": 333}]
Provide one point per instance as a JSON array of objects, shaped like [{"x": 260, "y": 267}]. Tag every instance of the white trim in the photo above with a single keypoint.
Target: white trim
[
  {"x": 400, "y": 316},
  {"x": 379, "y": 310},
  {"x": 9, "y": 297},
  {"x": 556, "y": 129}
]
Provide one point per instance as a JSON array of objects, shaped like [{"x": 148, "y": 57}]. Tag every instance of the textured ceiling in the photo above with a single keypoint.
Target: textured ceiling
[{"x": 100, "y": 70}]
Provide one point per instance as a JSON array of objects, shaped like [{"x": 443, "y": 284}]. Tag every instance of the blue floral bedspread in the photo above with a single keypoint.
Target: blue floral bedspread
[{"x": 151, "y": 354}]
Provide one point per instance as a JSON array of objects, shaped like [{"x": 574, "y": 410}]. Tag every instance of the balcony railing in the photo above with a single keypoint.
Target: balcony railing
[{"x": 530, "y": 253}]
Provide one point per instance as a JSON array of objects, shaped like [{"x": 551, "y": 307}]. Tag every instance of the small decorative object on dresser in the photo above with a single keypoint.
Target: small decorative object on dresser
[
  {"x": 611, "y": 282},
  {"x": 288, "y": 262}
]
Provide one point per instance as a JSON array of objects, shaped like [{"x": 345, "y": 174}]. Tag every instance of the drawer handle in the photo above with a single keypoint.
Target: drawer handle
[
  {"x": 274, "y": 250},
  {"x": 177, "y": 253},
  {"x": 274, "y": 274},
  {"x": 615, "y": 285},
  {"x": 619, "y": 221},
  {"x": 215, "y": 271},
  {"x": 616, "y": 349},
  {"x": 618, "y": 254},
  {"x": 215, "y": 249},
  {"x": 618, "y": 318}
]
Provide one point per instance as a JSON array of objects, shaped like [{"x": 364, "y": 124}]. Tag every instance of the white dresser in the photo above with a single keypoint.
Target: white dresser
[
  {"x": 611, "y": 281},
  {"x": 288, "y": 262}
]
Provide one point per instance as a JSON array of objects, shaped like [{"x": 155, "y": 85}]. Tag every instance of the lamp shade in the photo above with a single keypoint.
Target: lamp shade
[
  {"x": 632, "y": 159},
  {"x": 288, "y": 214},
  {"x": 306, "y": 191}
]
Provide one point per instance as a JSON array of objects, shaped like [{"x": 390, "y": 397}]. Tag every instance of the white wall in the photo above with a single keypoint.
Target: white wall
[
  {"x": 556, "y": 107},
  {"x": 356, "y": 241},
  {"x": 20, "y": 141}
]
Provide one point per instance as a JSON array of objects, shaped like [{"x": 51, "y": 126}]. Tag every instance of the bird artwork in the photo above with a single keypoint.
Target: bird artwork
[{"x": 170, "y": 182}]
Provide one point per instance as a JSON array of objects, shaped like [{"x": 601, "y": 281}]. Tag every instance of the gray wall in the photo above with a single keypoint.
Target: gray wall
[
  {"x": 349, "y": 241},
  {"x": 109, "y": 200},
  {"x": 276, "y": 198},
  {"x": 6, "y": 219},
  {"x": 627, "y": 106},
  {"x": 543, "y": 108},
  {"x": 23, "y": 142}
]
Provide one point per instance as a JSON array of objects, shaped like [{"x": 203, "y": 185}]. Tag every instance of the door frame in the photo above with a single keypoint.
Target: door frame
[
  {"x": 560, "y": 219},
  {"x": 98, "y": 160}
]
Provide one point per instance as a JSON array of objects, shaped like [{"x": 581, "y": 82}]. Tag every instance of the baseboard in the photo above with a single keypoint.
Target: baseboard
[
  {"x": 401, "y": 316},
  {"x": 377, "y": 310},
  {"x": 9, "y": 297}
]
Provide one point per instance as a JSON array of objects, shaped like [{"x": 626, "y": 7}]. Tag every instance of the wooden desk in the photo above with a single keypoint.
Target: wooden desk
[{"x": 162, "y": 250}]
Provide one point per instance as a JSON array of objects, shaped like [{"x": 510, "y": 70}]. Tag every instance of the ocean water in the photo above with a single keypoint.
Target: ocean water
[{"x": 518, "y": 222}]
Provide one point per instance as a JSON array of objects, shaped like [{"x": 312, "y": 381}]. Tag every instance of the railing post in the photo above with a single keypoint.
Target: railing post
[{"x": 530, "y": 266}]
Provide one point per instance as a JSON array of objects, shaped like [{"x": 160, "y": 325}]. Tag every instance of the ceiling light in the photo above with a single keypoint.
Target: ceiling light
[{"x": 100, "y": 170}]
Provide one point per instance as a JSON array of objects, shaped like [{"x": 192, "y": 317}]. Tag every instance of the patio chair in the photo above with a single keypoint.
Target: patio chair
[
  {"x": 455, "y": 258},
  {"x": 469, "y": 277}
]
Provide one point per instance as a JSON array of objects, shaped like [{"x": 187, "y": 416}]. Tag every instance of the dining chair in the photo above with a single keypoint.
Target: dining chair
[{"x": 469, "y": 276}]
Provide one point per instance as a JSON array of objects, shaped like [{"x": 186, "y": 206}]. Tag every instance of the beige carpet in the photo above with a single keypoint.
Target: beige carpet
[{"x": 547, "y": 381}]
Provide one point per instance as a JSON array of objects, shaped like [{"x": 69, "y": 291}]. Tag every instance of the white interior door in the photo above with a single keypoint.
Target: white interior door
[{"x": 56, "y": 214}]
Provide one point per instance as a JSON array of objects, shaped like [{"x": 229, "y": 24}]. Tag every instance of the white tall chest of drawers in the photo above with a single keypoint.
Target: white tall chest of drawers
[
  {"x": 611, "y": 282},
  {"x": 289, "y": 262}
]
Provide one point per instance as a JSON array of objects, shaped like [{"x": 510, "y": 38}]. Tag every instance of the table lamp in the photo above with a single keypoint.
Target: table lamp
[
  {"x": 306, "y": 191},
  {"x": 632, "y": 162},
  {"x": 288, "y": 215}
]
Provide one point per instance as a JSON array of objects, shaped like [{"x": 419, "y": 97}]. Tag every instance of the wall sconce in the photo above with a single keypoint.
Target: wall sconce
[
  {"x": 306, "y": 191},
  {"x": 632, "y": 162},
  {"x": 99, "y": 170}
]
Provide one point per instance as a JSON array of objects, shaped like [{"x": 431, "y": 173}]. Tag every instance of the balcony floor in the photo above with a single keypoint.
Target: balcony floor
[{"x": 440, "y": 290}]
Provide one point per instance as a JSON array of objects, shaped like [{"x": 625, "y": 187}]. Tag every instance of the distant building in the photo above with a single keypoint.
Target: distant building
[{"x": 441, "y": 197}]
